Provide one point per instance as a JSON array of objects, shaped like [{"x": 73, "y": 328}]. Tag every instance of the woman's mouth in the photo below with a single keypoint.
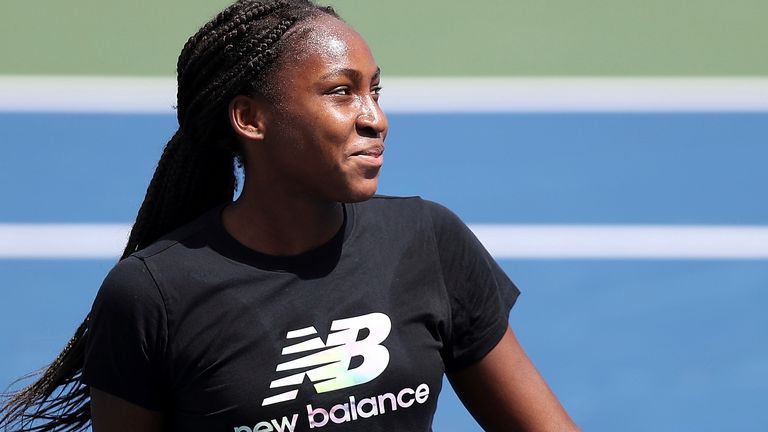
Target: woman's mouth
[
  {"x": 374, "y": 151},
  {"x": 373, "y": 156}
]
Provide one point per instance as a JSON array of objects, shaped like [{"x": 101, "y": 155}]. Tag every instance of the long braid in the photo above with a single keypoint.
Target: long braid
[
  {"x": 223, "y": 32},
  {"x": 229, "y": 55},
  {"x": 247, "y": 66}
]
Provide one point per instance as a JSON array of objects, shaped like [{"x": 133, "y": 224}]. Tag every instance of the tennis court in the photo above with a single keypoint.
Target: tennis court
[
  {"x": 631, "y": 213},
  {"x": 630, "y": 344}
]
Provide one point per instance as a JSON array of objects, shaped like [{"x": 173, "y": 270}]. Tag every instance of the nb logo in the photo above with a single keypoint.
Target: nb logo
[{"x": 332, "y": 371}]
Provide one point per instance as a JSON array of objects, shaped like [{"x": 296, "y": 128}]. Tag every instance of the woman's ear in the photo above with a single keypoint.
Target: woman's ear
[{"x": 247, "y": 115}]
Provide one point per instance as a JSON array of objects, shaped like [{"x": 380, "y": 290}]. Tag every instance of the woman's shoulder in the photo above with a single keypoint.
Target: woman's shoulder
[
  {"x": 187, "y": 236},
  {"x": 137, "y": 271},
  {"x": 414, "y": 205},
  {"x": 129, "y": 285},
  {"x": 414, "y": 209}
]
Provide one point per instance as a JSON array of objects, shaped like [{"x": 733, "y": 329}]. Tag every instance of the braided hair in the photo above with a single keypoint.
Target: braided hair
[{"x": 232, "y": 54}]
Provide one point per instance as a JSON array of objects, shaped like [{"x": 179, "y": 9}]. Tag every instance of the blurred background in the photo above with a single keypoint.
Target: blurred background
[{"x": 611, "y": 154}]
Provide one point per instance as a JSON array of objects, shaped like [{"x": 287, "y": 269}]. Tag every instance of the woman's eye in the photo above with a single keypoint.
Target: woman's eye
[
  {"x": 340, "y": 91},
  {"x": 376, "y": 90}
]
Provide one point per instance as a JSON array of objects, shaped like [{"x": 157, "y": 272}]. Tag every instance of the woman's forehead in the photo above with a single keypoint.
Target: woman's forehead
[
  {"x": 328, "y": 37},
  {"x": 321, "y": 49},
  {"x": 324, "y": 37}
]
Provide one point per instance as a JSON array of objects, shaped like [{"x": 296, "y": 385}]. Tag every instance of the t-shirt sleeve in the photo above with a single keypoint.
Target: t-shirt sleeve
[
  {"x": 479, "y": 292},
  {"x": 127, "y": 337}
]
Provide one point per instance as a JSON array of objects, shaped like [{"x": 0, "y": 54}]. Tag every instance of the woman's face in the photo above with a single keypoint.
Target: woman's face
[{"x": 324, "y": 137}]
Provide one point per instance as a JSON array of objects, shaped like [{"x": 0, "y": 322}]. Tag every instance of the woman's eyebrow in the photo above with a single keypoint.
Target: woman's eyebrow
[{"x": 350, "y": 73}]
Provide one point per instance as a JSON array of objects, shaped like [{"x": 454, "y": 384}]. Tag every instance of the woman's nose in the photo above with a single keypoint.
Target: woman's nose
[{"x": 372, "y": 120}]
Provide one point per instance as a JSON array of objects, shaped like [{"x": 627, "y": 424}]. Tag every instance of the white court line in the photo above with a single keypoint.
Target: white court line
[
  {"x": 61, "y": 241},
  {"x": 157, "y": 95},
  {"x": 504, "y": 241},
  {"x": 624, "y": 241},
  {"x": 87, "y": 94}
]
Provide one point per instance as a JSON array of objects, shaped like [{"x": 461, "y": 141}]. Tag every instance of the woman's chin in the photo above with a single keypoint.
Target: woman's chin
[{"x": 363, "y": 192}]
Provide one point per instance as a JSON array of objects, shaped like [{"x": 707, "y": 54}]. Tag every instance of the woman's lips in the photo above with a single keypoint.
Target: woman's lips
[
  {"x": 371, "y": 156},
  {"x": 374, "y": 151}
]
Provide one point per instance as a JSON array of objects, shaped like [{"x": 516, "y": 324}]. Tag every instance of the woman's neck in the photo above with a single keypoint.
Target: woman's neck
[{"x": 281, "y": 225}]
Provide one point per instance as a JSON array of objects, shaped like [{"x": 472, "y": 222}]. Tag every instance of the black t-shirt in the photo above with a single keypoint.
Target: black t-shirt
[{"x": 353, "y": 335}]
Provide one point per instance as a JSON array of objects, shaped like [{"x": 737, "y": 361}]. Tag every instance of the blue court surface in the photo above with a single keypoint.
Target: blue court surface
[{"x": 627, "y": 345}]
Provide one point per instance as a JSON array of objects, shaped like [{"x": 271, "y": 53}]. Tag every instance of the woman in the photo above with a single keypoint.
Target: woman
[{"x": 307, "y": 302}]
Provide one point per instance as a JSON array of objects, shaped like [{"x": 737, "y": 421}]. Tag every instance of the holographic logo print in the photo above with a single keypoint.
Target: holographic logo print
[{"x": 332, "y": 371}]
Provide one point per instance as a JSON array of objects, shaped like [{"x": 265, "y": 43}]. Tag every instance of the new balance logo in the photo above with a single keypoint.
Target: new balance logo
[{"x": 332, "y": 371}]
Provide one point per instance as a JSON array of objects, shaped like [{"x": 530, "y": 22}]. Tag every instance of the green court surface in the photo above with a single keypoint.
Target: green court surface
[{"x": 427, "y": 37}]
